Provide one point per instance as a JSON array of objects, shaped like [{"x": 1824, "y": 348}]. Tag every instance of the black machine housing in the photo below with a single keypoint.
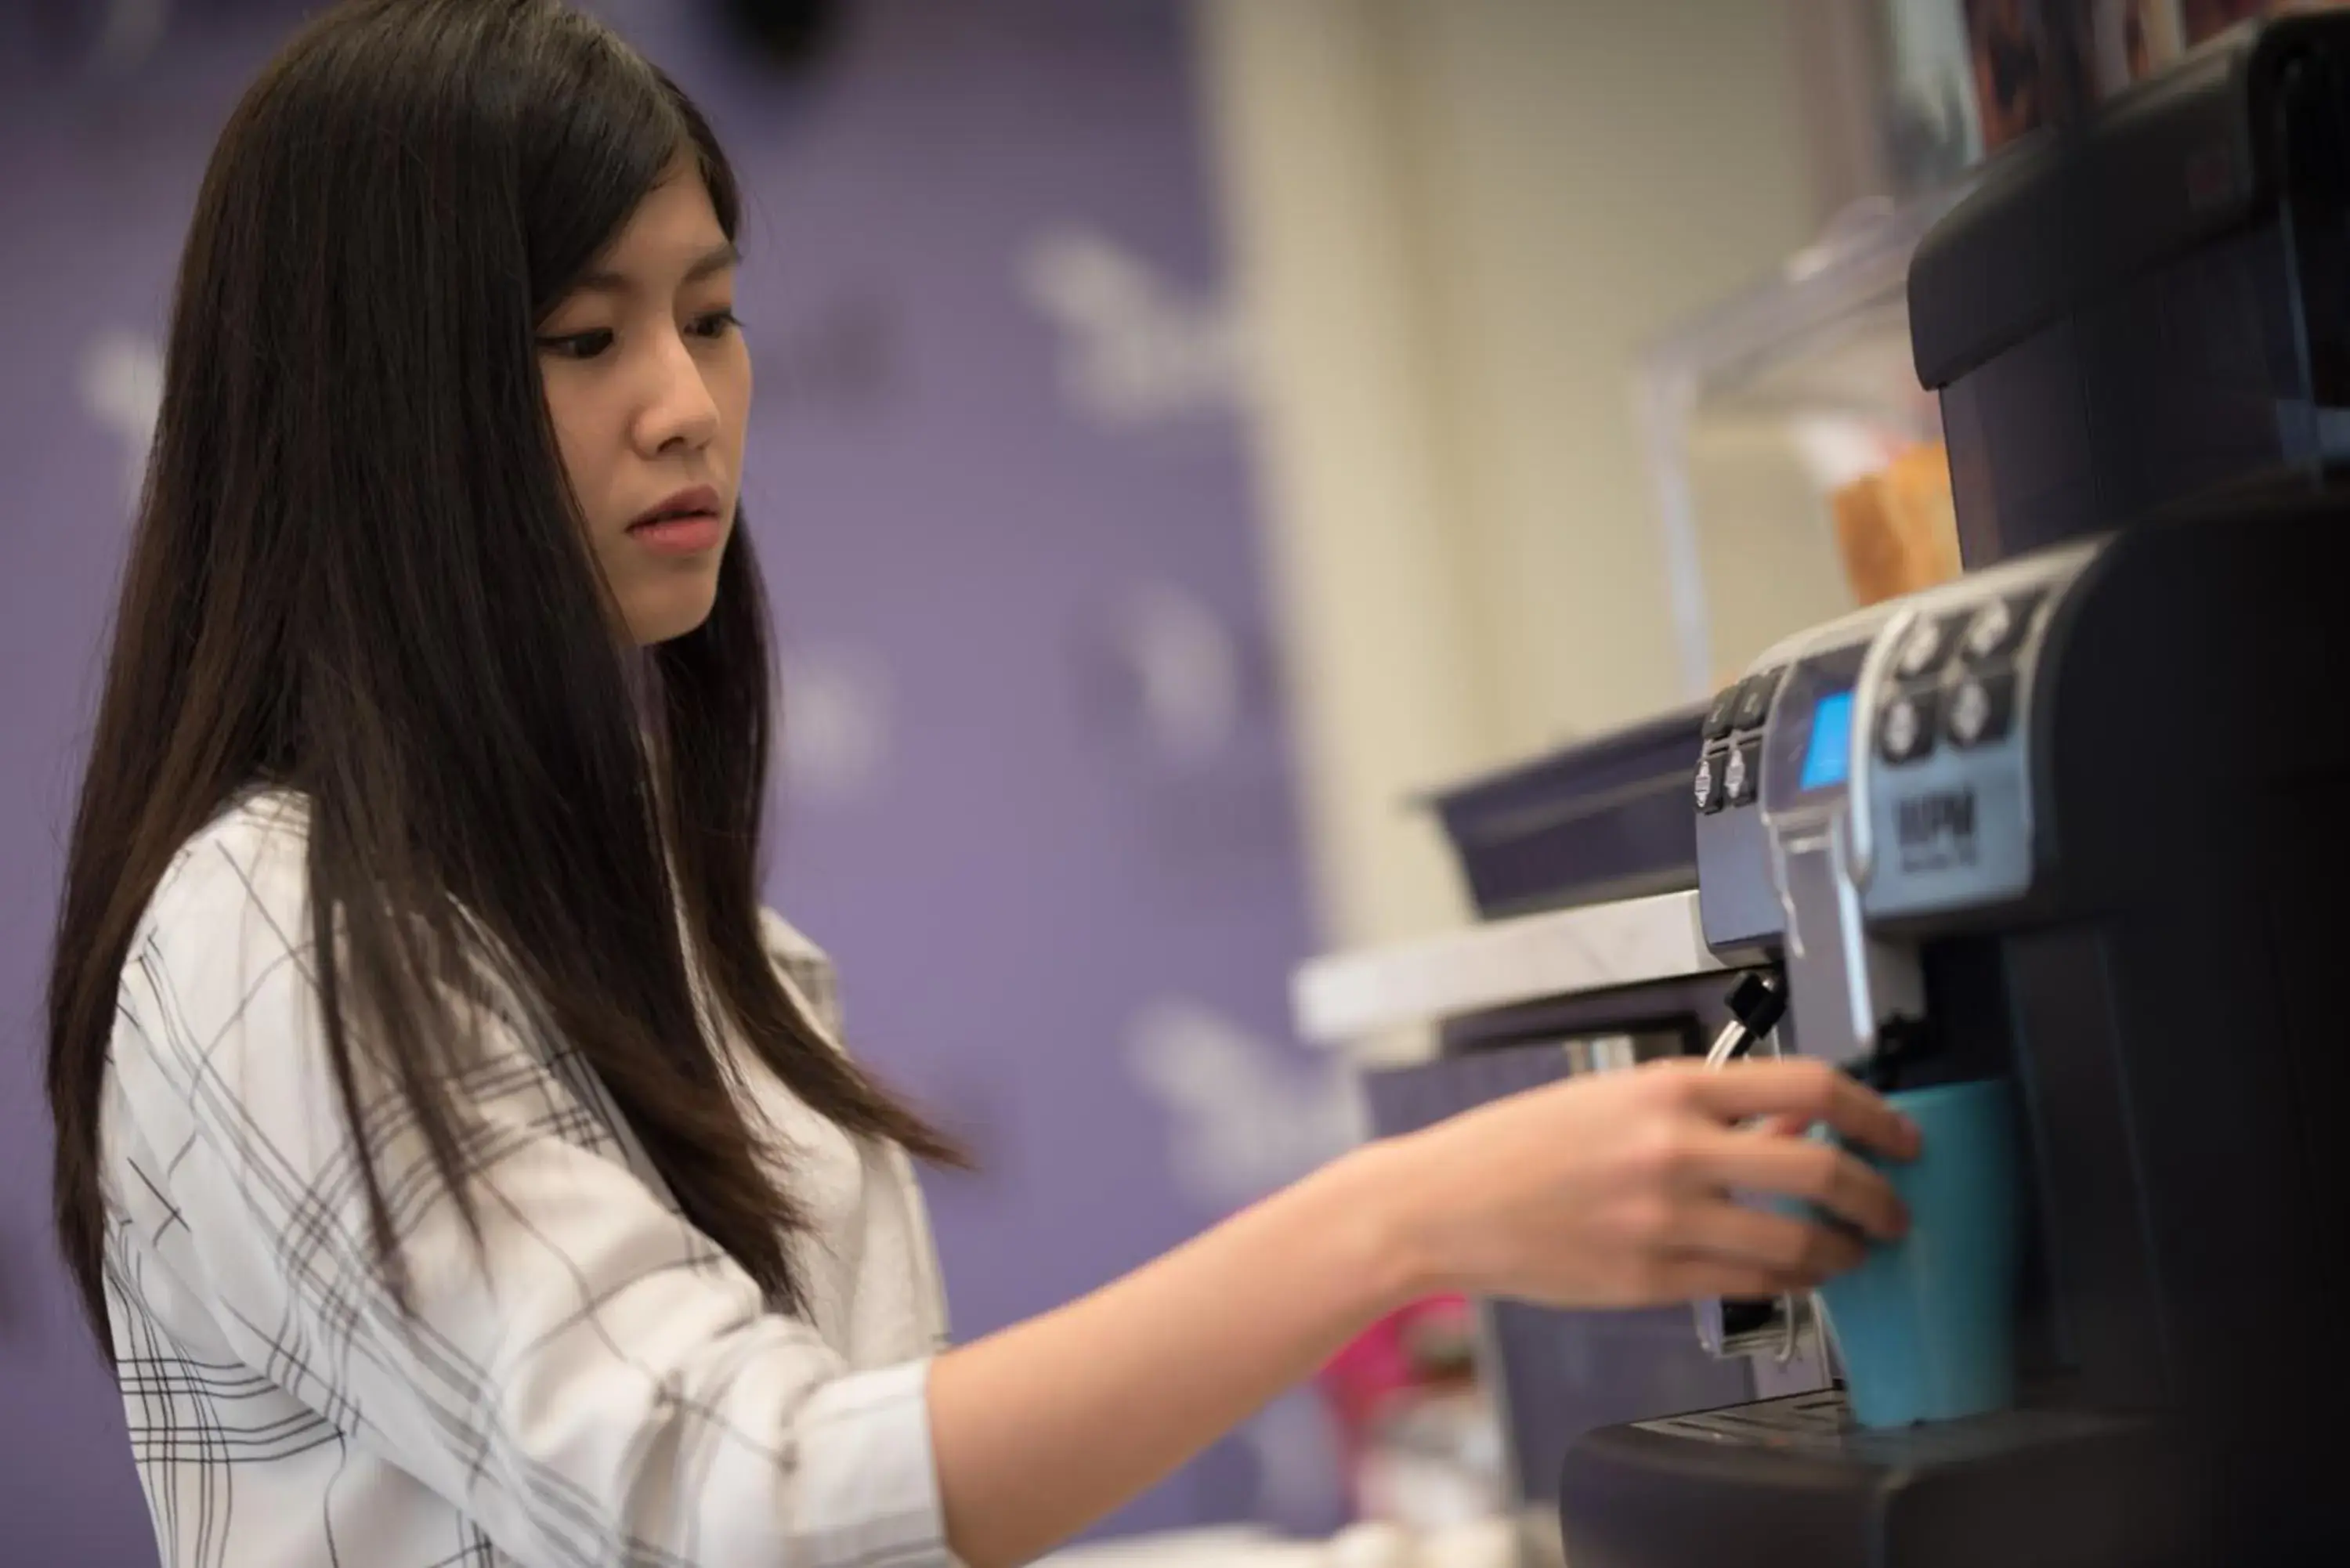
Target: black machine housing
[
  {"x": 2140, "y": 332},
  {"x": 2165, "y": 989}
]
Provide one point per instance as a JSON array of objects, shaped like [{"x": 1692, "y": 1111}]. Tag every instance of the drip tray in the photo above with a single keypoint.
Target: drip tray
[
  {"x": 1793, "y": 1482},
  {"x": 1820, "y": 1425}
]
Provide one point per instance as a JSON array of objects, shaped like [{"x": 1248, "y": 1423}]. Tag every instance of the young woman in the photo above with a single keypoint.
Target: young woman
[{"x": 458, "y": 1164}]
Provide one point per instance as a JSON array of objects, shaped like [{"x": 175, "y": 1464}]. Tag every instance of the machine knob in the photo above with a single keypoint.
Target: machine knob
[
  {"x": 1982, "y": 708},
  {"x": 1990, "y": 629},
  {"x": 1921, "y": 650},
  {"x": 1998, "y": 627},
  {"x": 1706, "y": 788},
  {"x": 1723, "y": 714},
  {"x": 1905, "y": 730}
]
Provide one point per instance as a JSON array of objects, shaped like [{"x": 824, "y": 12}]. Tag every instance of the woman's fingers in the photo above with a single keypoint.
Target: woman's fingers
[
  {"x": 1749, "y": 1238},
  {"x": 1785, "y": 1124},
  {"x": 1818, "y": 1172},
  {"x": 1688, "y": 1278},
  {"x": 1809, "y": 1089}
]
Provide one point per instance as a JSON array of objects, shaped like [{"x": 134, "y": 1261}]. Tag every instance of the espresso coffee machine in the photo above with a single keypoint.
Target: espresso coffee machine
[{"x": 2074, "y": 819}]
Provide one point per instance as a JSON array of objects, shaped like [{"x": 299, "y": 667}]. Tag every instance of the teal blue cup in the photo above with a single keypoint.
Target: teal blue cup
[{"x": 1925, "y": 1327}]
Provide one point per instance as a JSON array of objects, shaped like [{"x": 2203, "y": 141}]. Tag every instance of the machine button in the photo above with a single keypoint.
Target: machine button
[
  {"x": 1997, "y": 627},
  {"x": 1742, "y": 773},
  {"x": 1905, "y": 730},
  {"x": 1981, "y": 709},
  {"x": 1724, "y": 711},
  {"x": 1707, "y": 788},
  {"x": 1754, "y": 699},
  {"x": 1923, "y": 648}
]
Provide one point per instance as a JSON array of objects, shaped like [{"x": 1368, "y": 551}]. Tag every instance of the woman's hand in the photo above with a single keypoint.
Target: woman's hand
[{"x": 1613, "y": 1190}]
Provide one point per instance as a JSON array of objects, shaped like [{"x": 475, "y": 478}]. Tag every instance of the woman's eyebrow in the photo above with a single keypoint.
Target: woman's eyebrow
[{"x": 605, "y": 281}]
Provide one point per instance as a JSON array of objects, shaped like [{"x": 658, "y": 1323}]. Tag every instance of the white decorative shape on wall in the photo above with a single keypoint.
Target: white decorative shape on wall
[
  {"x": 1186, "y": 665},
  {"x": 1133, "y": 350},
  {"x": 836, "y": 732},
  {"x": 121, "y": 388},
  {"x": 1243, "y": 1119},
  {"x": 131, "y": 30}
]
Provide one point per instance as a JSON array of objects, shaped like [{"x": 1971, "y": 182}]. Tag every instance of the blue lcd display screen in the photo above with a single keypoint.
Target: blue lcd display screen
[{"x": 1829, "y": 755}]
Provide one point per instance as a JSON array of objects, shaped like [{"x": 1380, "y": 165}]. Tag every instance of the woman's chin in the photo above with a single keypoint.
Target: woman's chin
[{"x": 664, "y": 617}]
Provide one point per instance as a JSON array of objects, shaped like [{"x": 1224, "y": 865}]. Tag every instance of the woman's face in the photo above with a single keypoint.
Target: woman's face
[{"x": 648, "y": 384}]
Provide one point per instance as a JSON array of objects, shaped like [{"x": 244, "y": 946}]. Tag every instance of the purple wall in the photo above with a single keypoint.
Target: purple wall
[{"x": 1037, "y": 802}]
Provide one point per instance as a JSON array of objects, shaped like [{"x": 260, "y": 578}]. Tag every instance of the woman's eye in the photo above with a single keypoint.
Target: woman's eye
[
  {"x": 577, "y": 345},
  {"x": 715, "y": 323}
]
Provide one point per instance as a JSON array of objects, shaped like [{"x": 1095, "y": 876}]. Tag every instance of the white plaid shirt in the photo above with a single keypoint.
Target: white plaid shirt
[{"x": 614, "y": 1392}]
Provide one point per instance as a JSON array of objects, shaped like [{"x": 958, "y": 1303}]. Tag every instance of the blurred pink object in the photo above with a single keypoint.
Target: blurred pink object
[{"x": 1423, "y": 1345}]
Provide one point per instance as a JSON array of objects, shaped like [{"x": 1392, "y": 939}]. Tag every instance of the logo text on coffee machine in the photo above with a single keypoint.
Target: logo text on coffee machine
[{"x": 1937, "y": 829}]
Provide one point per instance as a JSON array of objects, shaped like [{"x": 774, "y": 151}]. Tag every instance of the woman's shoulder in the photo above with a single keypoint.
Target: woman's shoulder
[
  {"x": 805, "y": 968},
  {"x": 217, "y": 984},
  {"x": 785, "y": 942},
  {"x": 251, "y": 858}
]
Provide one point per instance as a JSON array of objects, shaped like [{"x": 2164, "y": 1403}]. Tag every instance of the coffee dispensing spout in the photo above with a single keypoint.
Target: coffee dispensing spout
[
  {"x": 1764, "y": 1327},
  {"x": 1755, "y": 1008}
]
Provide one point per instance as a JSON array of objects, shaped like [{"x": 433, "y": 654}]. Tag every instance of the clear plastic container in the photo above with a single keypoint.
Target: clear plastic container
[{"x": 1795, "y": 460}]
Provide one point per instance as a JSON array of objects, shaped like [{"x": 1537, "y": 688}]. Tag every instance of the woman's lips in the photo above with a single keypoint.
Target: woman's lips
[
  {"x": 686, "y": 523},
  {"x": 688, "y": 534}
]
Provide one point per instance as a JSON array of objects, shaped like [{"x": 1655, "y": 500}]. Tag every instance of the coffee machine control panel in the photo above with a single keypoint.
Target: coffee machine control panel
[
  {"x": 1872, "y": 770},
  {"x": 1945, "y": 810}
]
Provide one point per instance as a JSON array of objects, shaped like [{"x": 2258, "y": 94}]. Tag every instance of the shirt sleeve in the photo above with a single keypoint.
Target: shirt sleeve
[{"x": 600, "y": 1384}]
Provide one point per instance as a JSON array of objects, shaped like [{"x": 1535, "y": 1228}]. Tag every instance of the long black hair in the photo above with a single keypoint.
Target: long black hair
[{"x": 359, "y": 574}]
